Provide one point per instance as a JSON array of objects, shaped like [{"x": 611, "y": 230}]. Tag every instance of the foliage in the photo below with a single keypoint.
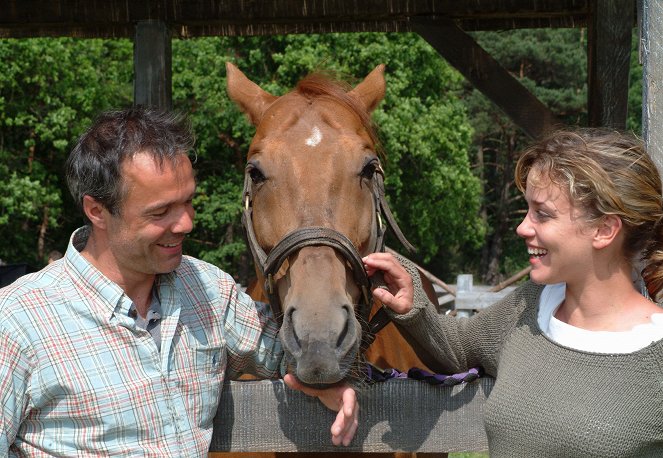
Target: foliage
[
  {"x": 49, "y": 91},
  {"x": 430, "y": 122},
  {"x": 634, "y": 117}
]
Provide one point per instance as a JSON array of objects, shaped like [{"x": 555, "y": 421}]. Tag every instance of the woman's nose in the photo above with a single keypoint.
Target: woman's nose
[{"x": 524, "y": 229}]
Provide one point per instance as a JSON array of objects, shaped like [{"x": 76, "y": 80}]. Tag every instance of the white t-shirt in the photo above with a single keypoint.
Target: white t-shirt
[{"x": 562, "y": 333}]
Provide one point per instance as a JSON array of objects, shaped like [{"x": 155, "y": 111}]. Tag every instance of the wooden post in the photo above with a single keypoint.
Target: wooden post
[
  {"x": 609, "y": 61},
  {"x": 152, "y": 65},
  {"x": 652, "y": 79},
  {"x": 464, "y": 285},
  {"x": 486, "y": 74}
]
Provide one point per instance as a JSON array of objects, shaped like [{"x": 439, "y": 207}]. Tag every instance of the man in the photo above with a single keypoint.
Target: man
[{"x": 121, "y": 347}]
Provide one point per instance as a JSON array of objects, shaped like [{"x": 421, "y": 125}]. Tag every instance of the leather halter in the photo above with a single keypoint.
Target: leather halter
[{"x": 270, "y": 264}]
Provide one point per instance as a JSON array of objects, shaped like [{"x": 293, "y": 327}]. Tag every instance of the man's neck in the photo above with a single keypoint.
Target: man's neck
[{"x": 137, "y": 286}]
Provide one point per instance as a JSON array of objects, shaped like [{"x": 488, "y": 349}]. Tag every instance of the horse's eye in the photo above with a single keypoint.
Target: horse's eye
[
  {"x": 256, "y": 175},
  {"x": 369, "y": 170}
]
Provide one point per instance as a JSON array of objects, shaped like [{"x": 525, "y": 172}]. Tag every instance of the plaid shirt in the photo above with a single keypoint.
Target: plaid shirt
[{"x": 79, "y": 378}]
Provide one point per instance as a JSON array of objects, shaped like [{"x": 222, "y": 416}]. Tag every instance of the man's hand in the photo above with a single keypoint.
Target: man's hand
[
  {"x": 400, "y": 294},
  {"x": 341, "y": 399}
]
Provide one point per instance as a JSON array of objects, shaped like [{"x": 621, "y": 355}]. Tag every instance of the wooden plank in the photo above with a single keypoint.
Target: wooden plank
[
  {"x": 152, "y": 65},
  {"x": 487, "y": 75},
  {"x": 479, "y": 299},
  {"x": 609, "y": 61},
  {"x": 396, "y": 415},
  {"x": 187, "y": 18},
  {"x": 652, "y": 89}
]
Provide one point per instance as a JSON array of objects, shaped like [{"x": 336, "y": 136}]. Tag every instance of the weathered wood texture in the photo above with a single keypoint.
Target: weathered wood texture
[
  {"x": 609, "y": 61},
  {"x": 152, "y": 65},
  {"x": 190, "y": 18},
  {"x": 487, "y": 75},
  {"x": 396, "y": 415},
  {"x": 651, "y": 47}
]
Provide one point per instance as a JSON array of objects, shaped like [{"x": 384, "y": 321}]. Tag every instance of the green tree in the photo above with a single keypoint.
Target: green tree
[
  {"x": 223, "y": 137},
  {"x": 49, "y": 91},
  {"x": 634, "y": 119}
]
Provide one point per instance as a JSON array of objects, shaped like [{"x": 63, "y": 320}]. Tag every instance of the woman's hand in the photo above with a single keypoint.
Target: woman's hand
[{"x": 399, "y": 294}]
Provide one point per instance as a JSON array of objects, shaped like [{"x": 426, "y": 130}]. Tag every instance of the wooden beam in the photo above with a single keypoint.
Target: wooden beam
[
  {"x": 395, "y": 415},
  {"x": 487, "y": 75},
  {"x": 652, "y": 89},
  {"x": 152, "y": 65},
  {"x": 609, "y": 62},
  {"x": 188, "y": 18}
]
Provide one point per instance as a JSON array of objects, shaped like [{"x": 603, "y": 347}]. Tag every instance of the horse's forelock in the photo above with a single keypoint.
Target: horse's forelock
[{"x": 320, "y": 85}]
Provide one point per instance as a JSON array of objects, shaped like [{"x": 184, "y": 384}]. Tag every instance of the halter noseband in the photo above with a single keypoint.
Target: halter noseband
[{"x": 270, "y": 264}]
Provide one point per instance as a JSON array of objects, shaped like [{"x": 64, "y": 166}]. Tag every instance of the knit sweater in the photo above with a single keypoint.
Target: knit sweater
[{"x": 548, "y": 400}]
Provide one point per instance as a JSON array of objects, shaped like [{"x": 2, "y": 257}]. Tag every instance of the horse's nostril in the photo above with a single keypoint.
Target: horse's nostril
[
  {"x": 344, "y": 333},
  {"x": 290, "y": 317}
]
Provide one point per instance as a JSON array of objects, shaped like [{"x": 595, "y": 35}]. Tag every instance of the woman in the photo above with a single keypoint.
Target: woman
[{"x": 577, "y": 351}]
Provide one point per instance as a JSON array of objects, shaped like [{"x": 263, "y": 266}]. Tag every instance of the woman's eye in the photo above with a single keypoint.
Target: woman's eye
[
  {"x": 542, "y": 215},
  {"x": 256, "y": 175}
]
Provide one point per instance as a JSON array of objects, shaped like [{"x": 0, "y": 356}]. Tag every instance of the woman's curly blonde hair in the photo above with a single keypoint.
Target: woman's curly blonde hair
[{"x": 607, "y": 172}]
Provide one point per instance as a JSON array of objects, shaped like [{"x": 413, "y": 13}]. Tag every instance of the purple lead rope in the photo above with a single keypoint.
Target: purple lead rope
[{"x": 377, "y": 375}]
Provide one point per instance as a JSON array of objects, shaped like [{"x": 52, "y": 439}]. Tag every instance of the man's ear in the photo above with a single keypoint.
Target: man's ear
[
  {"x": 609, "y": 228},
  {"x": 95, "y": 212}
]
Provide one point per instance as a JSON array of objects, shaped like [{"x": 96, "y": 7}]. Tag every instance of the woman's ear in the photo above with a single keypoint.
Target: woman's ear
[
  {"x": 95, "y": 212},
  {"x": 606, "y": 232}
]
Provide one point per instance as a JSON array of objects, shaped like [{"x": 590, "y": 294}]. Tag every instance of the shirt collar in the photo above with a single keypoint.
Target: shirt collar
[
  {"x": 153, "y": 313},
  {"x": 89, "y": 278}
]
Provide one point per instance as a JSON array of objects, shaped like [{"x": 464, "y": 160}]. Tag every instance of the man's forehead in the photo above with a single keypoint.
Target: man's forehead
[{"x": 143, "y": 167}]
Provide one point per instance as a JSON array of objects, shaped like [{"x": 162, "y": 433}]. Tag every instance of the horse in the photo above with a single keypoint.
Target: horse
[{"x": 313, "y": 206}]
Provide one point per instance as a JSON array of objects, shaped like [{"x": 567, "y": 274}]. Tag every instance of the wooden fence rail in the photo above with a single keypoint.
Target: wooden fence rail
[{"x": 396, "y": 415}]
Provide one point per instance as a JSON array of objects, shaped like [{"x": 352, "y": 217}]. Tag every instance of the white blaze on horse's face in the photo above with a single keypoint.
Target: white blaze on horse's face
[{"x": 315, "y": 138}]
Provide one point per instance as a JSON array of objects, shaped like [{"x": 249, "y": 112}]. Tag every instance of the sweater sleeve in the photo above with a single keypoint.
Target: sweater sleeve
[{"x": 462, "y": 343}]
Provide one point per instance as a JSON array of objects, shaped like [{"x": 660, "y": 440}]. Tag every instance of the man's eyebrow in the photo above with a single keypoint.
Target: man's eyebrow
[
  {"x": 157, "y": 206},
  {"x": 165, "y": 203}
]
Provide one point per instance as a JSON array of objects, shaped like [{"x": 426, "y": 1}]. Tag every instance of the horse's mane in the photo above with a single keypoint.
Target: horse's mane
[{"x": 322, "y": 85}]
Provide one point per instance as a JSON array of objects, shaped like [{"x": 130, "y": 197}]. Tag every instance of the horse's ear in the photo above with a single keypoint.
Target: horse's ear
[
  {"x": 371, "y": 90},
  {"x": 250, "y": 97}
]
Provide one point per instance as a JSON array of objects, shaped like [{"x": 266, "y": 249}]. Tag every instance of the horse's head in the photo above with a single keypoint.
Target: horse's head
[{"x": 312, "y": 201}]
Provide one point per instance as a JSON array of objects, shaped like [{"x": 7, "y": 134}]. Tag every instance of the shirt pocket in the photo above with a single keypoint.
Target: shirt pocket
[
  {"x": 210, "y": 359},
  {"x": 201, "y": 381}
]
